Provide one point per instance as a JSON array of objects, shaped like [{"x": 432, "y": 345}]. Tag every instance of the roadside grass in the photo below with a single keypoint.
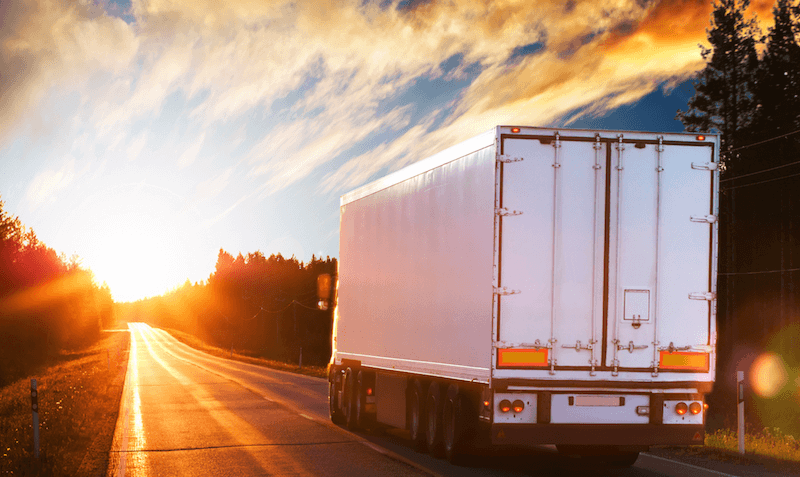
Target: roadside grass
[
  {"x": 768, "y": 449},
  {"x": 78, "y": 406},
  {"x": 768, "y": 442},
  {"x": 239, "y": 355}
]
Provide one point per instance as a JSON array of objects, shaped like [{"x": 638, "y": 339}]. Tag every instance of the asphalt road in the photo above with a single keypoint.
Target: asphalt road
[{"x": 187, "y": 413}]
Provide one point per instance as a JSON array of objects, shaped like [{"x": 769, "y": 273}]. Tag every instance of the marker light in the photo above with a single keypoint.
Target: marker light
[
  {"x": 369, "y": 391},
  {"x": 505, "y": 405},
  {"x": 514, "y": 130},
  {"x": 521, "y": 358},
  {"x": 686, "y": 361},
  {"x": 695, "y": 408},
  {"x": 518, "y": 406},
  {"x": 681, "y": 408},
  {"x": 701, "y": 138}
]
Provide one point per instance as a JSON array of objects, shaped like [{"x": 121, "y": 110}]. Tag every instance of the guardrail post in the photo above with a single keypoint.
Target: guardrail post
[
  {"x": 740, "y": 401},
  {"x": 35, "y": 409}
]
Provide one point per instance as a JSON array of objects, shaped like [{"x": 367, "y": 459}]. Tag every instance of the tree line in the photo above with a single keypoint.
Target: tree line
[
  {"x": 47, "y": 302},
  {"x": 262, "y": 306},
  {"x": 749, "y": 92}
]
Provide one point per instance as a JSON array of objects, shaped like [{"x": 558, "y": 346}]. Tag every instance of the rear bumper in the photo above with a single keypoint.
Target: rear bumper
[{"x": 597, "y": 434}]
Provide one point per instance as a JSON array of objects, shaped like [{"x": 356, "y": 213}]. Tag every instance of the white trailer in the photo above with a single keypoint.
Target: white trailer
[{"x": 533, "y": 286}]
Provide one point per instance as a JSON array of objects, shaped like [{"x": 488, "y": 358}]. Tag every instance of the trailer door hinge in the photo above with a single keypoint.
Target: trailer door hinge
[
  {"x": 708, "y": 219},
  {"x": 506, "y": 158},
  {"x": 706, "y": 166},
  {"x": 505, "y": 291},
  {"x": 503, "y": 212},
  {"x": 709, "y": 296}
]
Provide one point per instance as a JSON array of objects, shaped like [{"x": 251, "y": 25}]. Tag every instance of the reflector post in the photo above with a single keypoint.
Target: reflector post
[
  {"x": 683, "y": 360},
  {"x": 521, "y": 358}
]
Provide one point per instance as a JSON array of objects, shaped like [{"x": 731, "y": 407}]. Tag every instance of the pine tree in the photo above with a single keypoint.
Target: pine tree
[
  {"x": 779, "y": 82},
  {"x": 725, "y": 91}
]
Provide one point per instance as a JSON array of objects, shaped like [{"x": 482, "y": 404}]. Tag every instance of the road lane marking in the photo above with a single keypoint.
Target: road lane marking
[
  {"x": 716, "y": 472},
  {"x": 307, "y": 417}
]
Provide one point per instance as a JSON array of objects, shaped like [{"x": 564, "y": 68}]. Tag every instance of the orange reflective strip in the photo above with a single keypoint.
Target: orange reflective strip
[
  {"x": 683, "y": 360},
  {"x": 521, "y": 357}
]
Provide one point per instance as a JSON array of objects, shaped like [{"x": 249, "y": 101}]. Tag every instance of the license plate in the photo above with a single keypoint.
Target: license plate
[{"x": 598, "y": 401}]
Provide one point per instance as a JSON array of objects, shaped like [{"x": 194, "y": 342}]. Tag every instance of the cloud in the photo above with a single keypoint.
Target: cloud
[
  {"x": 46, "y": 44},
  {"x": 48, "y": 183},
  {"x": 211, "y": 188},
  {"x": 327, "y": 78},
  {"x": 190, "y": 154}
]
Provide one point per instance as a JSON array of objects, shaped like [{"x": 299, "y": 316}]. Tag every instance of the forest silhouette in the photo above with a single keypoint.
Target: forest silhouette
[
  {"x": 48, "y": 303},
  {"x": 265, "y": 307}
]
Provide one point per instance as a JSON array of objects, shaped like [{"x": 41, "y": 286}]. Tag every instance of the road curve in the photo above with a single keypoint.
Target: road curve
[{"x": 184, "y": 412}]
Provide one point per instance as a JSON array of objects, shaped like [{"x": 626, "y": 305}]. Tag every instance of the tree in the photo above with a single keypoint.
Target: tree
[
  {"x": 725, "y": 90},
  {"x": 779, "y": 78}
]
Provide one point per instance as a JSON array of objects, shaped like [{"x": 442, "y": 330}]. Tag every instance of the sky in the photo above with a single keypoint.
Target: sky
[{"x": 145, "y": 135}]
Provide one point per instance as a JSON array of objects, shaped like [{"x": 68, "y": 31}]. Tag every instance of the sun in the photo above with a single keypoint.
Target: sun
[{"x": 142, "y": 241}]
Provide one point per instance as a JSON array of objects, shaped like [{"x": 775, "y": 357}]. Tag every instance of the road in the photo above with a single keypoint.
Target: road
[{"x": 184, "y": 412}]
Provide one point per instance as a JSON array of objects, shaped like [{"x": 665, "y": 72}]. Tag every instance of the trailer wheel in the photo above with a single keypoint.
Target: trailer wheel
[
  {"x": 334, "y": 409},
  {"x": 348, "y": 404},
  {"x": 457, "y": 422},
  {"x": 362, "y": 418},
  {"x": 417, "y": 416},
  {"x": 433, "y": 430}
]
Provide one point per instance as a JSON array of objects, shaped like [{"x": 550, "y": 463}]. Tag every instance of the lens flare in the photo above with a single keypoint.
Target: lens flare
[{"x": 768, "y": 375}]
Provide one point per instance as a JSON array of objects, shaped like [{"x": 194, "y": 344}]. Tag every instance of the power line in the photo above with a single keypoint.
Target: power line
[
  {"x": 764, "y": 141},
  {"x": 760, "y": 273},
  {"x": 762, "y": 182},
  {"x": 760, "y": 172}
]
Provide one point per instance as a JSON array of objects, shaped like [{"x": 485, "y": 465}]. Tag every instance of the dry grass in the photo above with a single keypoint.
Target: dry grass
[
  {"x": 198, "y": 344},
  {"x": 78, "y": 407},
  {"x": 768, "y": 442},
  {"x": 768, "y": 449}
]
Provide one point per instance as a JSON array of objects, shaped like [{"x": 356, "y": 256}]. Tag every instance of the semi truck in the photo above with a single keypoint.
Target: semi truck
[{"x": 533, "y": 286}]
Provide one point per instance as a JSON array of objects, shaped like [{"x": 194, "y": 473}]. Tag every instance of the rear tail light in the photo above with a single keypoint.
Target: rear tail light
[
  {"x": 681, "y": 408},
  {"x": 695, "y": 408},
  {"x": 505, "y": 405},
  {"x": 518, "y": 406}
]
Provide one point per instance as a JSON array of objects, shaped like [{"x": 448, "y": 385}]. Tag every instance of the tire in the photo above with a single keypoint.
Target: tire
[
  {"x": 622, "y": 459},
  {"x": 348, "y": 405},
  {"x": 433, "y": 419},
  {"x": 417, "y": 416},
  {"x": 457, "y": 425},
  {"x": 363, "y": 420},
  {"x": 334, "y": 409}
]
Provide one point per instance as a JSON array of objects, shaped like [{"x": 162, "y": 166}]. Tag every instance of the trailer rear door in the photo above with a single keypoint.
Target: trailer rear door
[
  {"x": 608, "y": 241},
  {"x": 553, "y": 251}
]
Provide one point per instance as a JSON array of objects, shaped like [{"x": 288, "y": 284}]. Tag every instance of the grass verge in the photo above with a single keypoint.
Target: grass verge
[
  {"x": 768, "y": 449},
  {"x": 198, "y": 344},
  {"x": 78, "y": 407}
]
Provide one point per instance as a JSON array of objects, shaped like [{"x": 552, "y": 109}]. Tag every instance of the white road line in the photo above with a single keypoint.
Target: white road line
[
  {"x": 307, "y": 417},
  {"x": 723, "y": 474}
]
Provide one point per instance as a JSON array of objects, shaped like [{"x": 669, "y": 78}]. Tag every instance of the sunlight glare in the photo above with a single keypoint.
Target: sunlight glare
[
  {"x": 768, "y": 375},
  {"x": 142, "y": 241}
]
